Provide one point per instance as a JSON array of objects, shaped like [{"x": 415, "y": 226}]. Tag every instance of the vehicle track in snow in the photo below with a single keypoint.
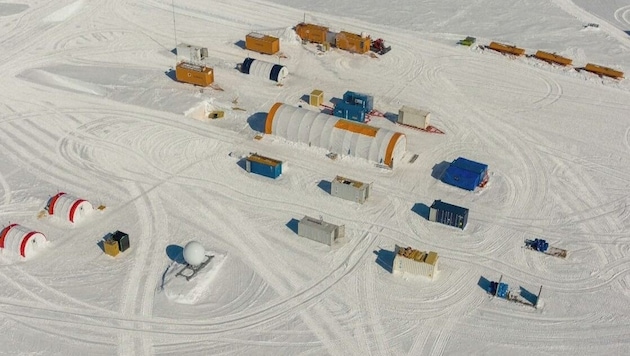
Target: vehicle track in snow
[{"x": 622, "y": 15}]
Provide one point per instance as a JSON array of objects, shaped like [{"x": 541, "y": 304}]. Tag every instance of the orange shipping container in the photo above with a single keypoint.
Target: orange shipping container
[
  {"x": 262, "y": 43},
  {"x": 506, "y": 49},
  {"x": 554, "y": 58},
  {"x": 609, "y": 72},
  {"x": 194, "y": 74},
  {"x": 352, "y": 42},
  {"x": 312, "y": 33}
]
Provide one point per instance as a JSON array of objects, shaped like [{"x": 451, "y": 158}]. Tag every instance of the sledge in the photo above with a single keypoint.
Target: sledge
[
  {"x": 523, "y": 296},
  {"x": 541, "y": 245},
  {"x": 429, "y": 129},
  {"x": 190, "y": 271}
]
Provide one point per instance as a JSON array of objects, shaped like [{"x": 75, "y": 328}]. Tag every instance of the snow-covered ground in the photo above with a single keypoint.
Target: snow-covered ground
[{"x": 88, "y": 106}]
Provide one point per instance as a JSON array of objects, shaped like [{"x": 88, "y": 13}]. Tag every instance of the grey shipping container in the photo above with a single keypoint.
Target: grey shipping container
[
  {"x": 319, "y": 230},
  {"x": 448, "y": 214},
  {"x": 350, "y": 189}
]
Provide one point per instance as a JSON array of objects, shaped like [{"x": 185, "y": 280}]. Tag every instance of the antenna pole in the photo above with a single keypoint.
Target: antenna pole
[{"x": 174, "y": 30}]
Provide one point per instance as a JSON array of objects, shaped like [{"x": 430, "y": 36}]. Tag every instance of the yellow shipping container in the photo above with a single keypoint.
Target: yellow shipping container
[
  {"x": 316, "y": 98},
  {"x": 553, "y": 58},
  {"x": 311, "y": 33},
  {"x": 352, "y": 42},
  {"x": 111, "y": 247},
  {"x": 262, "y": 43},
  {"x": 601, "y": 70},
  {"x": 194, "y": 74},
  {"x": 499, "y": 47}
]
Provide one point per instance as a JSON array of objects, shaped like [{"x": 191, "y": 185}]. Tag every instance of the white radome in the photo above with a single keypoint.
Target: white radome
[{"x": 194, "y": 253}]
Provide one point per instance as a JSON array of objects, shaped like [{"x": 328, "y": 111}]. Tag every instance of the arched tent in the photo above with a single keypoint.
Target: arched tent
[
  {"x": 21, "y": 240},
  {"x": 68, "y": 207},
  {"x": 266, "y": 70},
  {"x": 335, "y": 134}
]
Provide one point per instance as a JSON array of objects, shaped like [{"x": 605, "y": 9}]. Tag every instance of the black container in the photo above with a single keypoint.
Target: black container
[{"x": 122, "y": 239}]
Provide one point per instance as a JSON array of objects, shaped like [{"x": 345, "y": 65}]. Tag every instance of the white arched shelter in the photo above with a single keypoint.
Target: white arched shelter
[
  {"x": 335, "y": 134},
  {"x": 20, "y": 240},
  {"x": 69, "y": 207}
]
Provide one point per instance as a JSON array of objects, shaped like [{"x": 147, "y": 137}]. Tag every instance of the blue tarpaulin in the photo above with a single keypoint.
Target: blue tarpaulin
[{"x": 465, "y": 174}]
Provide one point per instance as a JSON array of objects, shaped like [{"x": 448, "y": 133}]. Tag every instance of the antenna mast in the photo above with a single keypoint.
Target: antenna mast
[{"x": 174, "y": 30}]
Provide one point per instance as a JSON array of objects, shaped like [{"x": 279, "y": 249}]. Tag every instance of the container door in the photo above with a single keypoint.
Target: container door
[{"x": 432, "y": 214}]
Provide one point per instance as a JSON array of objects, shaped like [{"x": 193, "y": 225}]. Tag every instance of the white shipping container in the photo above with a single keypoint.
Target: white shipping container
[
  {"x": 404, "y": 264},
  {"x": 414, "y": 117}
]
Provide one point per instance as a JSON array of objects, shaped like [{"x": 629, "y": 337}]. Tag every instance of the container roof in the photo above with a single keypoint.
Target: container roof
[
  {"x": 320, "y": 224},
  {"x": 438, "y": 204},
  {"x": 264, "y": 160},
  {"x": 352, "y": 182},
  {"x": 469, "y": 165}
]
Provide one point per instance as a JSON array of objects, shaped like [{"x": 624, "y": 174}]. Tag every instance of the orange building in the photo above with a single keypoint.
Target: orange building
[
  {"x": 194, "y": 74},
  {"x": 312, "y": 33},
  {"x": 601, "y": 70},
  {"x": 553, "y": 58},
  {"x": 352, "y": 42},
  {"x": 262, "y": 43},
  {"x": 499, "y": 47}
]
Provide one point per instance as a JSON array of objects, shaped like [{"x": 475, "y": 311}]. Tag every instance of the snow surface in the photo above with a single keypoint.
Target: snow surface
[{"x": 89, "y": 106}]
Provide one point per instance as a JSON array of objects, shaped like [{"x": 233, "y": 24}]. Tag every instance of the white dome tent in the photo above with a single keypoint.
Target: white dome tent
[
  {"x": 335, "y": 134},
  {"x": 69, "y": 207},
  {"x": 20, "y": 240}
]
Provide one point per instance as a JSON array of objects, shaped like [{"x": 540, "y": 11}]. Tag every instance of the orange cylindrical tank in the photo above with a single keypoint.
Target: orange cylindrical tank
[
  {"x": 552, "y": 57},
  {"x": 506, "y": 48},
  {"x": 352, "y": 42},
  {"x": 194, "y": 74},
  {"x": 609, "y": 72},
  {"x": 262, "y": 43},
  {"x": 312, "y": 33}
]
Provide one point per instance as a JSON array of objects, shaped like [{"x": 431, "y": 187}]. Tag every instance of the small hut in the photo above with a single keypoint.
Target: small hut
[
  {"x": 319, "y": 230},
  {"x": 350, "y": 189}
]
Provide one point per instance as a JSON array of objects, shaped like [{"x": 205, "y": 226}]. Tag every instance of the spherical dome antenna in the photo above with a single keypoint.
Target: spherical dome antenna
[{"x": 194, "y": 253}]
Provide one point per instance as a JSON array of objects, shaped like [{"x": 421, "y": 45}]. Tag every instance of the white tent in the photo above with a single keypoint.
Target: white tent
[
  {"x": 20, "y": 240},
  {"x": 335, "y": 134},
  {"x": 265, "y": 70},
  {"x": 69, "y": 207}
]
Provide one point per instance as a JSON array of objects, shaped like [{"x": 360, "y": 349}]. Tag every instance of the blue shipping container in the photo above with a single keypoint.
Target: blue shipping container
[
  {"x": 448, "y": 214},
  {"x": 263, "y": 166},
  {"x": 465, "y": 174},
  {"x": 363, "y": 100},
  {"x": 349, "y": 112}
]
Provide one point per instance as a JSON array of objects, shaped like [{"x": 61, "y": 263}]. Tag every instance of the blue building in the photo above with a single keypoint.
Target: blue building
[
  {"x": 363, "y": 100},
  {"x": 448, "y": 214},
  {"x": 465, "y": 174},
  {"x": 350, "y": 112},
  {"x": 355, "y": 106},
  {"x": 264, "y": 166}
]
